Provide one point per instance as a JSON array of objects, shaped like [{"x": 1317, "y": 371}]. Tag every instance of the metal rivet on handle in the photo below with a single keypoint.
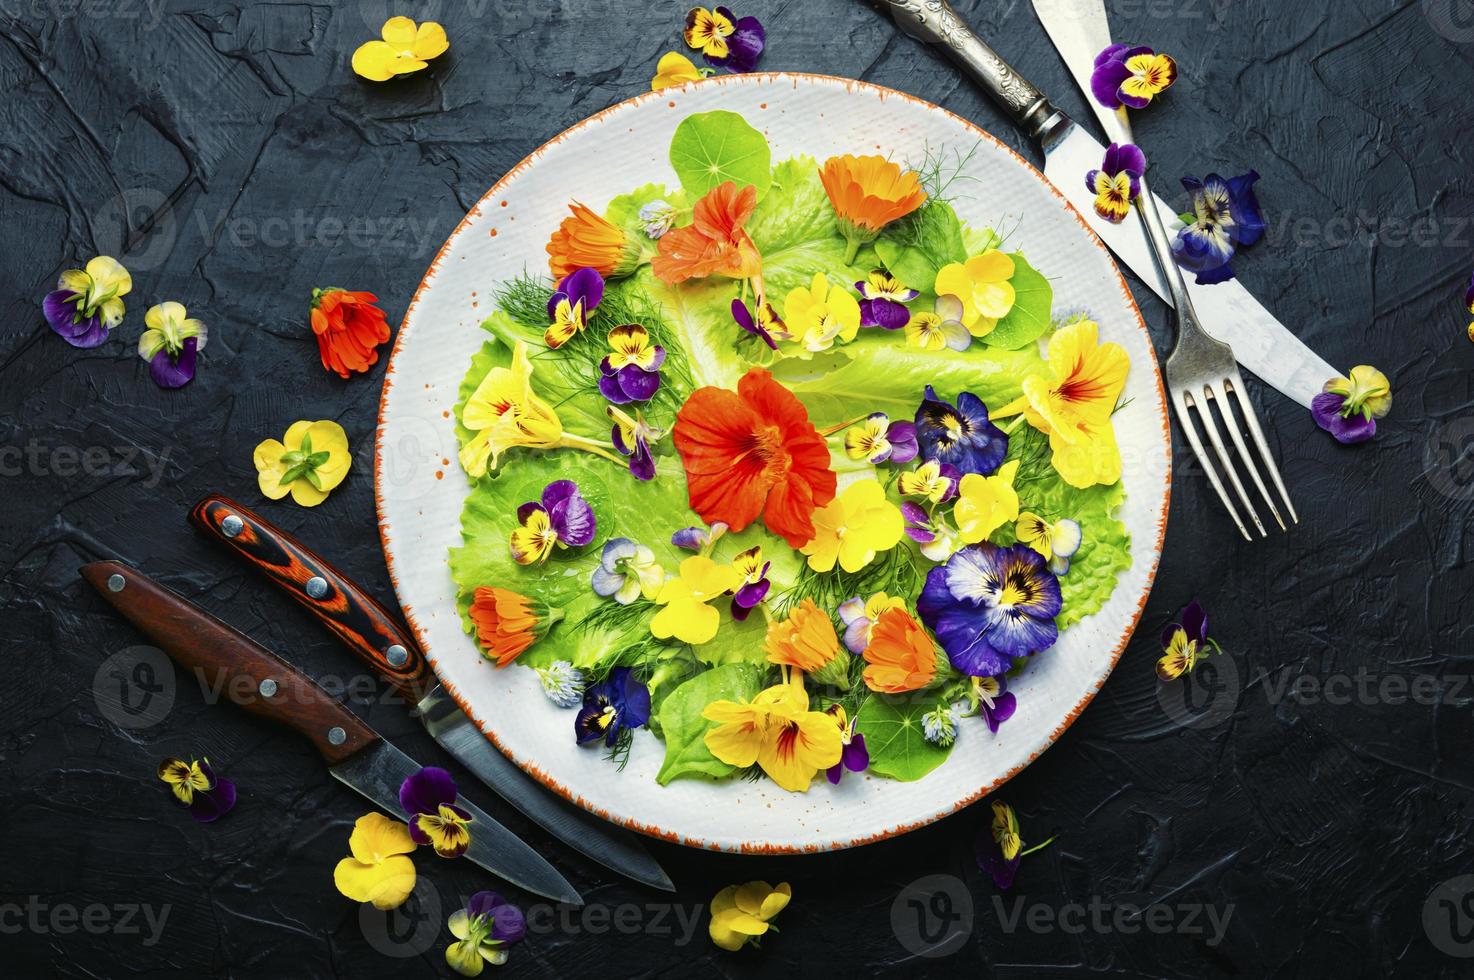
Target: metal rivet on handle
[
  {"x": 337, "y": 736},
  {"x": 232, "y": 526},
  {"x": 317, "y": 586},
  {"x": 115, "y": 583},
  {"x": 398, "y": 656},
  {"x": 267, "y": 687}
]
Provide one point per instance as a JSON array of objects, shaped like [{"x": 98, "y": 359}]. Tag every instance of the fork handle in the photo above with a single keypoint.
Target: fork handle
[
  {"x": 1118, "y": 128},
  {"x": 935, "y": 22}
]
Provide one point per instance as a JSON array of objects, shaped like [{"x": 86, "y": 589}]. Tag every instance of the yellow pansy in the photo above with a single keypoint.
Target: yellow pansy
[
  {"x": 308, "y": 463},
  {"x": 982, "y": 284},
  {"x": 928, "y": 481},
  {"x": 674, "y": 68},
  {"x": 707, "y": 30},
  {"x": 686, "y": 615},
  {"x": 100, "y": 288},
  {"x": 1006, "y": 831},
  {"x": 853, "y": 528},
  {"x": 378, "y": 872},
  {"x": 405, "y": 48},
  {"x": 985, "y": 503},
  {"x": 504, "y": 412},
  {"x": 777, "y": 731},
  {"x": 1073, "y": 402},
  {"x": 821, "y": 314},
  {"x": 741, "y": 913}
]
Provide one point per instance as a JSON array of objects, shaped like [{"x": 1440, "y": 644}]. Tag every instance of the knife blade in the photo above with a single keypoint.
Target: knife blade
[
  {"x": 256, "y": 679},
  {"x": 374, "y": 636},
  {"x": 1228, "y": 310}
]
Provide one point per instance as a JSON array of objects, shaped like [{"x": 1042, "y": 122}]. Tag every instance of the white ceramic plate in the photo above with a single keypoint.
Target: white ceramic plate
[{"x": 420, "y": 489}]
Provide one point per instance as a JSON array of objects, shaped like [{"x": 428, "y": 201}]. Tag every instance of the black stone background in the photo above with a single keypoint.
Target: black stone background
[{"x": 237, "y": 135}]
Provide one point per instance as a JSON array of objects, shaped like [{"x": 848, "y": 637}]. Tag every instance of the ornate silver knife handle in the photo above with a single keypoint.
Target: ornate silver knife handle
[{"x": 935, "y": 22}]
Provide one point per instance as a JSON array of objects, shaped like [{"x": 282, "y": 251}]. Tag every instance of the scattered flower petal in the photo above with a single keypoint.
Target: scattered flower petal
[
  {"x": 406, "y": 47},
  {"x": 1131, "y": 76},
  {"x": 378, "y": 870},
  {"x": 309, "y": 462},
  {"x": 195, "y": 785}
]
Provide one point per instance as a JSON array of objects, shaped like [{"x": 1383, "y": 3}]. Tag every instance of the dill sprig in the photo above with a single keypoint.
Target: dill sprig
[
  {"x": 524, "y": 298},
  {"x": 612, "y": 617},
  {"x": 893, "y": 572},
  {"x": 939, "y": 170}
]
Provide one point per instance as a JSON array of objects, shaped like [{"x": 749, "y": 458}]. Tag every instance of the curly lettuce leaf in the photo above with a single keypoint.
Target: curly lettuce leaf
[
  {"x": 685, "y": 730},
  {"x": 916, "y": 247}
]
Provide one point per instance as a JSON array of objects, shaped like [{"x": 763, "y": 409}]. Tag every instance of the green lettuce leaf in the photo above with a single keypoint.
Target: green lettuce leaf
[
  {"x": 685, "y": 730},
  {"x": 895, "y": 738},
  {"x": 795, "y": 229},
  {"x": 710, "y": 148},
  {"x": 916, "y": 247}
]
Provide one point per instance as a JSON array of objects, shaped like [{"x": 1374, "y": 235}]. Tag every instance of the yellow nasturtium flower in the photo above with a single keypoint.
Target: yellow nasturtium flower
[
  {"x": 686, "y": 615},
  {"x": 504, "y": 412},
  {"x": 854, "y": 527},
  {"x": 739, "y": 913},
  {"x": 308, "y": 463},
  {"x": 985, "y": 503},
  {"x": 777, "y": 731},
  {"x": 982, "y": 283},
  {"x": 673, "y": 69},
  {"x": 406, "y": 47},
  {"x": 378, "y": 872}
]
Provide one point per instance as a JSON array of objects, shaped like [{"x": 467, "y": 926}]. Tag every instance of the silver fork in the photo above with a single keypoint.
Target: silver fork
[{"x": 1202, "y": 372}]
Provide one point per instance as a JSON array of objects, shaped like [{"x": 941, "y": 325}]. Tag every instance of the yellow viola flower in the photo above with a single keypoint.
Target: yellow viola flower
[
  {"x": 378, "y": 872},
  {"x": 821, "y": 314},
  {"x": 707, "y": 30},
  {"x": 308, "y": 463},
  {"x": 853, "y": 528},
  {"x": 928, "y": 481},
  {"x": 673, "y": 69},
  {"x": 777, "y": 731},
  {"x": 96, "y": 291},
  {"x": 406, "y": 47},
  {"x": 740, "y": 913},
  {"x": 504, "y": 412},
  {"x": 985, "y": 503},
  {"x": 1006, "y": 831},
  {"x": 686, "y": 615},
  {"x": 982, "y": 284},
  {"x": 1073, "y": 402}
]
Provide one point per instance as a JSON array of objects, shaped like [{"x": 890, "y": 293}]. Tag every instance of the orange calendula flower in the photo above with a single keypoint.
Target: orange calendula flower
[
  {"x": 901, "y": 657},
  {"x": 715, "y": 242},
  {"x": 806, "y": 641},
  {"x": 349, "y": 329},
  {"x": 586, "y": 240},
  {"x": 754, "y": 451},
  {"x": 868, "y": 193},
  {"x": 507, "y": 623}
]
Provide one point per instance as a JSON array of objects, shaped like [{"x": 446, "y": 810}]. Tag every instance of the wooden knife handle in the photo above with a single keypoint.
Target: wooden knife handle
[
  {"x": 366, "y": 627},
  {"x": 228, "y": 661}
]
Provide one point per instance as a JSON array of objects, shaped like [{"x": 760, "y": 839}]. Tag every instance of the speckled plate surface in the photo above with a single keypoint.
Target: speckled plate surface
[{"x": 420, "y": 489}]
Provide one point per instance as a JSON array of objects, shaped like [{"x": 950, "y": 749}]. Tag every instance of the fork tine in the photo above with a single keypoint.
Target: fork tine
[
  {"x": 1205, "y": 410},
  {"x": 1236, "y": 385},
  {"x": 1220, "y": 395},
  {"x": 1184, "y": 417}
]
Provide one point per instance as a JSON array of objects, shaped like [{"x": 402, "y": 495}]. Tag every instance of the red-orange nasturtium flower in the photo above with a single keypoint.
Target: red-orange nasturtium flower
[
  {"x": 507, "y": 623},
  {"x": 349, "y": 329},
  {"x": 715, "y": 242},
  {"x": 586, "y": 240},
  {"x": 900, "y": 656},
  {"x": 754, "y": 451}
]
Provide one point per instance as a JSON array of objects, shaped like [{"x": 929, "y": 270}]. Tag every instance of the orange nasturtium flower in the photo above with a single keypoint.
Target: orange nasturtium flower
[
  {"x": 507, "y": 623},
  {"x": 586, "y": 240},
  {"x": 349, "y": 329},
  {"x": 868, "y": 193},
  {"x": 754, "y": 451},
  {"x": 900, "y": 655},
  {"x": 406, "y": 47},
  {"x": 715, "y": 242}
]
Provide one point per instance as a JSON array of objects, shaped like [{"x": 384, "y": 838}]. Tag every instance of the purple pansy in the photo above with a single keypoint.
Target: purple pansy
[
  {"x": 755, "y": 584},
  {"x": 429, "y": 800},
  {"x": 1226, "y": 218},
  {"x": 1130, "y": 76},
  {"x": 988, "y": 605},
  {"x": 171, "y": 344},
  {"x": 631, "y": 370},
  {"x": 632, "y": 437},
  {"x": 576, "y": 297},
  {"x": 853, "y": 754},
  {"x": 883, "y": 301},
  {"x": 63, "y": 311},
  {"x": 195, "y": 785},
  {"x": 697, "y": 539},
  {"x": 1348, "y": 407},
  {"x": 618, "y": 703},
  {"x": 961, "y": 436},
  {"x": 766, "y": 324},
  {"x": 995, "y": 704},
  {"x": 1113, "y": 196},
  {"x": 88, "y": 303},
  {"x": 570, "y": 516},
  {"x": 877, "y": 439},
  {"x": 1194, "y": 625},
  {"x": 744, "y": 45}
]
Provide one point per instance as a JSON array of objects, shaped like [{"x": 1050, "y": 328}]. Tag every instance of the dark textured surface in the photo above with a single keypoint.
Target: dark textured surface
[{"x": 245, "y": 147}]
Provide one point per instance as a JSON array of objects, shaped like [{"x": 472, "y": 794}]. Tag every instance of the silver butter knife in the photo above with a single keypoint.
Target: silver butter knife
[
  {"x": 375, "y": 638},
  {"x": 1228, "y": 311}
]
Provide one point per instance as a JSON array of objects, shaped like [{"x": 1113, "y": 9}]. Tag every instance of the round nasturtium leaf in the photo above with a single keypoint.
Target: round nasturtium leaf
[{"x": 710, "y": 148}]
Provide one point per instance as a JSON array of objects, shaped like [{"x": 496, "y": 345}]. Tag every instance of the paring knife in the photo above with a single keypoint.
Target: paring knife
[
  {"x": 1227, "y": 310},
  {"x": 256, "y": 679},
  {"x": 372, "y": 634}
]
